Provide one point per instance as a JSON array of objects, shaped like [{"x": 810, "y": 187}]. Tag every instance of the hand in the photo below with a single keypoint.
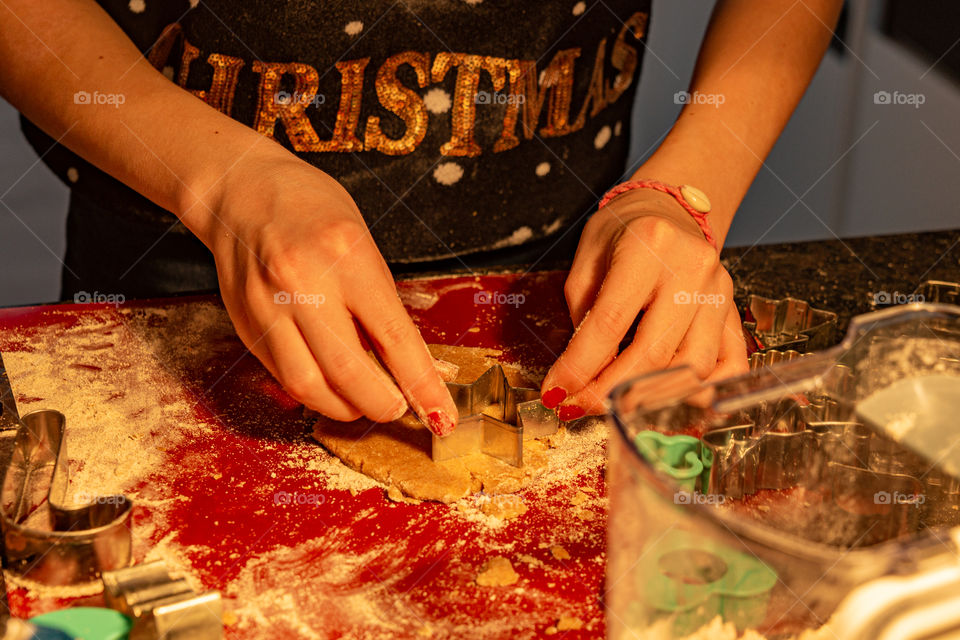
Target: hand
[
  {"x": 642, "y": 253},
  {"x": 300, "y": 273}
]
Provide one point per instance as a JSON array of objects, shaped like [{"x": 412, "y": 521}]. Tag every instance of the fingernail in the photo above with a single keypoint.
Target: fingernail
[
  {"x": 553, "y": 397},
  {"x": 399, "y": 413},
  {"x": 570, "y": 412},
  {"x": 440, "y": 423}
]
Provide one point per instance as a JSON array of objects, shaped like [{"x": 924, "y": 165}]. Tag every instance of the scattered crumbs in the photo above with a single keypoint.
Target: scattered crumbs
[
  {"x": 229, "y": 618},
  {"x": 527, "y": 559},
  {"x": 551, "y": 630},
  {"x": 763, "y": 507},
  {"x": 497, "y": 572},
  {"x": 584, "y": 514},
  {"x": 504, "y": 506},
  {"x": 568, "y": 623},
  {"x": 559, "y": 552},
  {"x": 556, "y": 440},
  {"x": 579, "y": 498}
]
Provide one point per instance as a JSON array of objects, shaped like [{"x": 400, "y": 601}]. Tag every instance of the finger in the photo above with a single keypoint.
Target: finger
[
  {"x": 623, "y": 294},
  {"x": 701, "y": 345},
  {"x": 586, "y": 275},
  {"x": 732, "y": 356},
  {"x": 333, "y": 339},
  {"x": 300, "y": 374},
  {"x": 251, "y": 338},
  {"x": 403, "y": 351},
  {"x": 660, "y": 333}
]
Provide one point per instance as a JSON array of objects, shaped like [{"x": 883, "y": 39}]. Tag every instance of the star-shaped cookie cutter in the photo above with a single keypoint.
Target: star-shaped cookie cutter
[{"x": 495, "y": 418}]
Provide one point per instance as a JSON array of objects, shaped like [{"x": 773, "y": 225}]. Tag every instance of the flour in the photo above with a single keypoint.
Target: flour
[{"x": 123, "y": 411}]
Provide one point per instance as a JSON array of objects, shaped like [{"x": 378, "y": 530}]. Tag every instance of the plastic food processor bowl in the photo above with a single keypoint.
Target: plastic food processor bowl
[{"x": 769, "y": 499}]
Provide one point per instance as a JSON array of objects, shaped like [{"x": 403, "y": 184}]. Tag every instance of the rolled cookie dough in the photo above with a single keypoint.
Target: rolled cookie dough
[{"x": 397, "y": 454}]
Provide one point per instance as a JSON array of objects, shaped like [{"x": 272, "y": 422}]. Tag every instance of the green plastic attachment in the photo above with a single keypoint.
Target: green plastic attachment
[
  {"x": 678, "y": 456},
  {"x": 695, "y": 579},
  {"x": 89, "y": 623}
]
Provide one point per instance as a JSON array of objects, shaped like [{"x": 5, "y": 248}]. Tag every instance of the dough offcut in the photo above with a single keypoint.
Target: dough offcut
[{"x": 397, "y": 454}]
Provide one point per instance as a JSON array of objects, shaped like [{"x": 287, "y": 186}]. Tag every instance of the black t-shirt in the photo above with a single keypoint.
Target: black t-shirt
[{"x": 457, "y": 125}]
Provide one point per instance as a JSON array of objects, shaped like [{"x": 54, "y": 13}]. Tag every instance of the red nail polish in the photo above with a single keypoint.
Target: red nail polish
[
  {"x": 570, "y": 412},
  {"x": 553, "y": 397},
  {"x": 440, "y": 423}
]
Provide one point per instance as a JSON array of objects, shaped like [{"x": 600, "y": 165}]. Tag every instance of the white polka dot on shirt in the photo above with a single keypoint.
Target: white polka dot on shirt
[
  {"x": 579, "y": 8},
  {"x": 437, "y": 101},
  {"x": 542, "y": 169},
  {"x": 72, "y": 174},
  {"x": 603, "y": 137},
  {"x": 617, "y": 127},
  {"x": 137, "y": 6},
  {"x": 448, "y": 173},
  {"x": 353, "y": 28}
]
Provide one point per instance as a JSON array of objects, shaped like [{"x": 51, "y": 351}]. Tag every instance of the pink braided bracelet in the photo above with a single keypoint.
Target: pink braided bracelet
[{"x": 677, "y": 192}]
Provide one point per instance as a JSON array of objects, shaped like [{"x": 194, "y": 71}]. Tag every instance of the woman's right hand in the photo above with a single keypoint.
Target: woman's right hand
[{"x": 299, "y": 272}]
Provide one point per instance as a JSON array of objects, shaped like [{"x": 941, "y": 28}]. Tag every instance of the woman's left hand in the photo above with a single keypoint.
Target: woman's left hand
[{"x": 643, "y": 253}]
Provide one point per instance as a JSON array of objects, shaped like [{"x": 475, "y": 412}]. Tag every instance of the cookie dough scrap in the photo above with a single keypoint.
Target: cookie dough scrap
[
  {"x": 559, "y": 552},
  {"x": 397, "y": 453},
  {"x": 505, "y": 507},
  {"x": 566, "y": 623},
  {"x": 497, "y": 572}
]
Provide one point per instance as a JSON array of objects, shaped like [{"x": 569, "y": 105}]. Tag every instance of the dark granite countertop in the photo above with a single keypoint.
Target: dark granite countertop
[{"x": 844, "y": 275}]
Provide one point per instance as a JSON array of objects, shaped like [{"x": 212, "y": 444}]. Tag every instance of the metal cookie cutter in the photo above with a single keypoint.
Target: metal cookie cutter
[
  {"x": 495, "y": 418},
  {"x": 788, "y": 323},
  {"x": 874, "y": 489},
  {"x": 9, "y": 416},
  {"x": 769, "y": 358},
  {"x": 938, "y": 291},
  {"x": 163, "y": 607},
  {"x": 46, "y": 539}
]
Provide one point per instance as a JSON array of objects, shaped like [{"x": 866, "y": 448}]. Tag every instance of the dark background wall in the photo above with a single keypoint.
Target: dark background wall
[{"x": 849, "y": 163}]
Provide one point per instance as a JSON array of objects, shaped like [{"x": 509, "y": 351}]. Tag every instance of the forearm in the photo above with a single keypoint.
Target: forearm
[
  {"x": 755, "y": 63},
  {"x": 161, "y": 141}
]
